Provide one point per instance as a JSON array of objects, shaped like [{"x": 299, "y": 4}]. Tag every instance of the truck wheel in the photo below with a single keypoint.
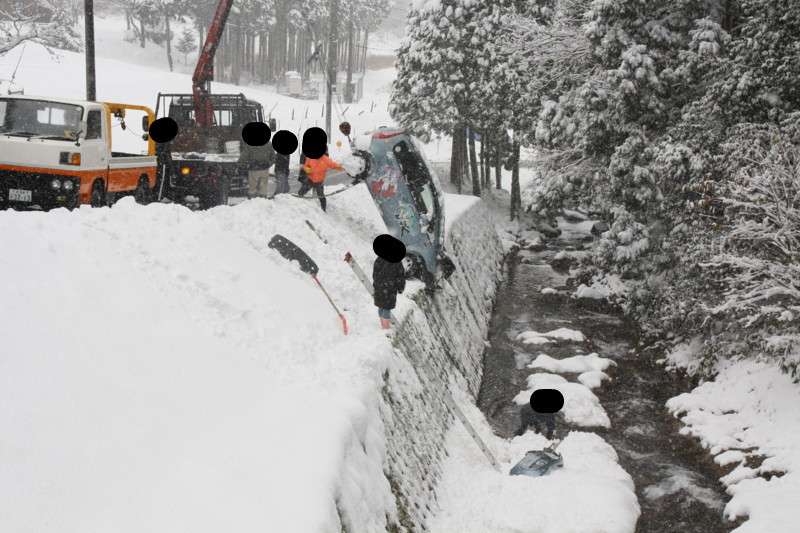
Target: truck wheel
[
  {"x": 98, "y": 196},
  {"x": 142, "y": 194},
  {"x": 213, "y": 197}
]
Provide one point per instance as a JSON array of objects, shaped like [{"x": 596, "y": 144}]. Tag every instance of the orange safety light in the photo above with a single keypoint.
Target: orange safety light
[
  {"x": 185, "y": 170},
  {"x": 75, "y": 159}
]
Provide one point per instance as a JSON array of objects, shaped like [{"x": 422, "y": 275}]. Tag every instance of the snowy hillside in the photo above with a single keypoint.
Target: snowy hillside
[{"x": 164, "y": 368}]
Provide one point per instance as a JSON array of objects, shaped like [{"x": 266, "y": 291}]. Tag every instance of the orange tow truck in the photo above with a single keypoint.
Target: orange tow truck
[{"x": 56, "y": 152}]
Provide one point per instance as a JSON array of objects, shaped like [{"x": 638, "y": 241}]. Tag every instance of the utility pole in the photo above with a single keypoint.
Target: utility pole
[
  {"x": 348, "y": 92},
  {"x": 333, "y": 8},
  {"x": 88, "y": 22}
]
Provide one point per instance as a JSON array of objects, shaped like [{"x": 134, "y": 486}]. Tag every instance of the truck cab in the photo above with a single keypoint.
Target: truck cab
[{"x": 56, "y": 152}]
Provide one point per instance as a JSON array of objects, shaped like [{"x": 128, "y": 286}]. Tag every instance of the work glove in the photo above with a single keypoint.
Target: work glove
[{"x": 307, "y": 170}]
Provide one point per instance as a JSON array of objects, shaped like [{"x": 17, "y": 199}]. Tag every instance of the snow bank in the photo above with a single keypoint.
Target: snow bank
[
  {"x": 163, "y": 369},
  {"x": 576, "y": 363},
  {"x": 581, "y": 406},
  {"x": 747, "y": 416}
]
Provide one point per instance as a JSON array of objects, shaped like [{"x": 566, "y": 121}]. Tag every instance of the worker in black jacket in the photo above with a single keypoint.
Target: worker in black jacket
[
  {"x": 529, "y": 417},
  {"x": 388, "y": 275},
  {"x": 282, "y": 173}
]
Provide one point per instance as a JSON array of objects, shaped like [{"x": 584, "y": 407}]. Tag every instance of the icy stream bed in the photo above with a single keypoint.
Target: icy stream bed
[{"x": 676, "y": 487}]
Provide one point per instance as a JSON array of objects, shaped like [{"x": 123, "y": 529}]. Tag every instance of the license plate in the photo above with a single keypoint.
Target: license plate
[{"x": 19, "y": 195}]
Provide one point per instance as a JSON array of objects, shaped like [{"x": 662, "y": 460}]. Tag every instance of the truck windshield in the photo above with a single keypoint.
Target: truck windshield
[{"x": 39, "y": 118}]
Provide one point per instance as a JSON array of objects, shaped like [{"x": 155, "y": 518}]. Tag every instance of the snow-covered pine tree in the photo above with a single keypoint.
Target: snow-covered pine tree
[
  {"x": 186, "y": 44},
  {"x": 443, "y": 69},
  {"x": 687, "y": 137}
]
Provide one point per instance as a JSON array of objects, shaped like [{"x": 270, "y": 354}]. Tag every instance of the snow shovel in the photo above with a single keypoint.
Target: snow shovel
[{"x": 292, "y": 252}]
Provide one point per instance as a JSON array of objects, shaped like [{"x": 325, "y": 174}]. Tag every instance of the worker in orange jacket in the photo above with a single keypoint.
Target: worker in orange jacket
[{"x": 315, "y": 170}]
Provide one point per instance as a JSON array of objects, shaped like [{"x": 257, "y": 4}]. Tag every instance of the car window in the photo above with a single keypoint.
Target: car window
[
  {"x": 94, "y": 125},
  {"x": 224, "y": 117},
  {"x": 417, "y": 176}
]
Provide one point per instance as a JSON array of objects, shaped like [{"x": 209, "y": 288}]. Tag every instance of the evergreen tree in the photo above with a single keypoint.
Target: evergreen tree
[
  {"x": 186, "y": 44},
  {"x": 443, "y": 68},
  {"x": 682, "y": 133}
]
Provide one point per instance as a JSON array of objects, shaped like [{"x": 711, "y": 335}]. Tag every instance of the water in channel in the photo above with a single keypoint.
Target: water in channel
[{"x": 677, "y": 487}]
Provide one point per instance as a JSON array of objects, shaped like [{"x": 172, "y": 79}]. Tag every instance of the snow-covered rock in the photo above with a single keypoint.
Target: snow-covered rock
[
  {"x": 574, "y": 364},
  {"x": 589, "y": 293},
  {"x": 566, "y": 334},
  {"x": 593, "y": 378}
]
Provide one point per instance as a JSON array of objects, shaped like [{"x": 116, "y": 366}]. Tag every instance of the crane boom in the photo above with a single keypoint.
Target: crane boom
[{"x": 204, "y": 71}]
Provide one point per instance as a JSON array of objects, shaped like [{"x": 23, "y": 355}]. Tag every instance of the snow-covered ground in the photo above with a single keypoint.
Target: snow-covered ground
[
  {"x": 164, "y": 369},
  {"x": 747, "y": 418},
  {"x": 592, "y": 493}
]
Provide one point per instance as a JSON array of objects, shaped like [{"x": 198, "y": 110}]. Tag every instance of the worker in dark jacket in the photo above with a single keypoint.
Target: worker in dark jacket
[
  {"x": 282, "y": 173},
  {"x": 388, "y": 275},
  {"x": 529, "y": 417}
]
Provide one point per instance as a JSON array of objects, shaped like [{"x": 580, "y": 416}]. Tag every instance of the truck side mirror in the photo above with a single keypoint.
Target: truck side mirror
[
  {"x": 273, "y": 125},
  {"x": 83, "y": 127},
  {"x": 145, "y": 123}
]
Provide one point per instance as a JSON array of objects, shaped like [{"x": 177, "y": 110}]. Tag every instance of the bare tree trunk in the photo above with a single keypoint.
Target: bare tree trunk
[
  {"x": 364, "y": 57},
  {"x": 237, "y": 56},
  {"x": 455, "y": 157},
  {"x": 465, "y": 170},
  {"x": 168, "y": 39},
  {"x": 141, "y": 33},
  {"x": 473, "y": 163},
  {"x": 516, "y": 201},
  {"x": 498, "y": 167},
  {"x": 348, "y": 93},
  {"x": 483, "y": 160}
]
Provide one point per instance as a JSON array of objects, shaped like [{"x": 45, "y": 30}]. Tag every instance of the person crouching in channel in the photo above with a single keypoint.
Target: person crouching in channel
[
  {"x": 388, "y": 276},
  {"x": 315, "y": 170}
]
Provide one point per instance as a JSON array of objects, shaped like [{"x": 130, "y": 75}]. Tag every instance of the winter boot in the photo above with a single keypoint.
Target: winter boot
[{"x": 386, "y": 323}]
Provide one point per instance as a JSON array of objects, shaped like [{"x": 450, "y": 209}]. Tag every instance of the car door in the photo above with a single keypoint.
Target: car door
[{"x": 94, "y": 150}]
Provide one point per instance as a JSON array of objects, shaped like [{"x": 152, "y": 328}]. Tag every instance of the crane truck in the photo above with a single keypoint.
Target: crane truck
[{"x": 199, "y": 160}]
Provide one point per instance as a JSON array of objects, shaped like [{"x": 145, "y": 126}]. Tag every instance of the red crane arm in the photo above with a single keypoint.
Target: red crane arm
[{"x": 204, "y": 71}]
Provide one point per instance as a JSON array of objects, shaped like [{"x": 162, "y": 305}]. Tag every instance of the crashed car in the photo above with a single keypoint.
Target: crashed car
[
  {"x": 409, "y": 197},
  {"x": 538, "y": 463}
]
